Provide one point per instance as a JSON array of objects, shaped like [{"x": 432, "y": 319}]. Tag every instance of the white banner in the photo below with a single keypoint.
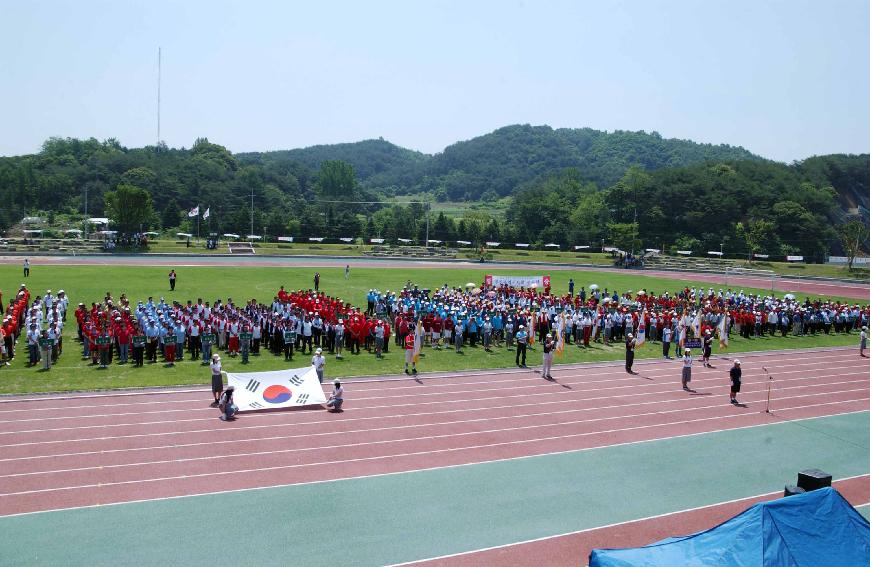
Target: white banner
[
  {"x": 276, "y": 389},
  {"x": 844, "y": 260},
  {"x": 281, "y": 238},
  {"x": 493, "y": 244},
  {"x": 762, "y": 256},
  {"x": 376, "y": 240},
  {"x": 581, "y": 247},
  {"x": 521, "y": 245},
  {"x": 795, "y": 258},
  {"x": 517, "y": 281},
  {"x": 684, "y": 252}
]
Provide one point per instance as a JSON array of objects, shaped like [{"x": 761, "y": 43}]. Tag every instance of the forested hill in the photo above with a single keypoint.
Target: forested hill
[
  {"x": 368, "y": 157},
  {"x": 498, "y": 162},
  {"x": 513, "y": 155}
]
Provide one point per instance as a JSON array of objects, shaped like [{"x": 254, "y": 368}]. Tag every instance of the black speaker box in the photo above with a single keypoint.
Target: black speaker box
[{"x": 813, "y": 479}]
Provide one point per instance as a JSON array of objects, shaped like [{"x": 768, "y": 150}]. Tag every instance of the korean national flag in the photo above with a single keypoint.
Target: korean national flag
[{"x": 276, "y": 389}]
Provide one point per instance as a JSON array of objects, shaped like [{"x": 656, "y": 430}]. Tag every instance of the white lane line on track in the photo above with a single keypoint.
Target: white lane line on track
[
  {"x": 371, "y": 418},
  {"x": 425, "y": 437},
  {"x": 412, "y": 471},
  {"x": 613, "y": 525},
  {"x": 639, "y": 385},
  {"x": 530, "y": 377},
  {"x": 10, "y": 399},
  {"x": 413, "y": 426},
  {"x": 413, "y": 454},
  {"x": 530, "y": 382}
]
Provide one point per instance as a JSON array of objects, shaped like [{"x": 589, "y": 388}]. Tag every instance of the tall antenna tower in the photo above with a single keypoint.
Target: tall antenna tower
[{"x": 159, "y": 57}]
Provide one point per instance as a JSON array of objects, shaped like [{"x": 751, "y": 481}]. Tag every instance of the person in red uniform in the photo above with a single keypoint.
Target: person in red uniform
[{"x": 409, "y": 354}]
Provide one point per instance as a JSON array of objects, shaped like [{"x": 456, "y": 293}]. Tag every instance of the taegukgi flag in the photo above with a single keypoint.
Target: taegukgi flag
[
  {"x": 194, "y": 212},
  {"x": 276, "y": 389},
  {"x": 206, "y": 213}
]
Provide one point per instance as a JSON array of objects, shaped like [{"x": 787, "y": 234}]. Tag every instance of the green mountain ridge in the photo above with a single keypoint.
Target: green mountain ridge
[{"x": 500, "y": 161}]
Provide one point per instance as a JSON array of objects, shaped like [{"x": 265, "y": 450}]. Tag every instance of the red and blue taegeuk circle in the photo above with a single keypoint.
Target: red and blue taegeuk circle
[{"x": 277, "y": 394}]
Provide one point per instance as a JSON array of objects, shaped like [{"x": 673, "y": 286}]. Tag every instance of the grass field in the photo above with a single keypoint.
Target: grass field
[{"x": 90, "y": 283}]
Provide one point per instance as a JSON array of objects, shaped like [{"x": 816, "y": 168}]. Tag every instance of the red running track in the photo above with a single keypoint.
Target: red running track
[{"x": 82, "y": 450}]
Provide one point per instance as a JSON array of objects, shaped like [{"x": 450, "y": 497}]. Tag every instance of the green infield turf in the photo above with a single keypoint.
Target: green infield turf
[
  {"x": 442, "y": 511},
  {"x": 90, "y": 284}
]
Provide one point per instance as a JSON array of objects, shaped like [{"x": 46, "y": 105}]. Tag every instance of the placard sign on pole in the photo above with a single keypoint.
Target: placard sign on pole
[
  {"x": 208, "y": 339},
  {"x": 46, "y": 343},
  {"x": 170, "y": 340},
  {"x": 245, "y": 336},
  {"x": 517, "y": 281},
  {"x": 289, "y": 337},
  {"x": 104, "y": 341},
  {"x": 139, "y": 340}
]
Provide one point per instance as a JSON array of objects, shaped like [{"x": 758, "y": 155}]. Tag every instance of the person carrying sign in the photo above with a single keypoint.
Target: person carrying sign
[
  {"x": 630, "y": 345},
  {"x": 46, "y": 344}
]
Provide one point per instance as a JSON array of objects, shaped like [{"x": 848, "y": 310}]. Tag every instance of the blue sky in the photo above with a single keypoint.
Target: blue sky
[{"x": 785, "y": 79}]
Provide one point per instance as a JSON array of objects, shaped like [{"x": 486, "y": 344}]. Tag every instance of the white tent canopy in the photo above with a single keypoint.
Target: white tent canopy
[
  {"x": 285, "y": 239},
  {"x": 404, "y": 240},
  {"x": 684, "y": 252},
  {"x": 794, "y": 258},
  {"x": 551, "y": 245},
  {"x": 493, "y": 244},
  {"x": 152, "y": 233},
  {"x": 230, "y": 235},
  {"x": 433, "y": 241},
  {"x": 33, "y": 231},
  {"x": 653, "y": 250},
  {"x": 315, "y": 239},
  {"x": 184, "y": 234},
  {"x": 610, "y": 249},
  {"x": 254, "y": 237},
  {"x": 714, "y": 253},
  {"x": 762, "y": 256},
  {"x": 521, "y": 245},
  {"x": 463, "y": 242},
  {"x": 376, "y": 240},
  {"x": 98, "y": 220},
  {"x": 581, "y": 247},
  {"x": 347, "y": 239}
]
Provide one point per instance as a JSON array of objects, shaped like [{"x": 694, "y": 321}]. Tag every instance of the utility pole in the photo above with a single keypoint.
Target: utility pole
[
  {"x": 159, "y": 58},
  {"x": 252, "y": 211}
]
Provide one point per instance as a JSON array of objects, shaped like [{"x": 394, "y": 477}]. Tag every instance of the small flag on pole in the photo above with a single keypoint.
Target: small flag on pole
[
  {"x": 641, "y": 330},
  {"x": 194, "y": 212},
  {"x": 722, "y": 329},
  {"x": 206, "y": 213}
]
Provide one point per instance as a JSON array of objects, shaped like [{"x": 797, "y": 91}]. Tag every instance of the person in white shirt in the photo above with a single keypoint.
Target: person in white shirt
[
  {"x": 318, "y": 362},
  {"x": 687, "y": 369},
  {"x": 217, "y": 379},
  {"x": 863, "y": 340},
  {"x": 337, "y": 397}
]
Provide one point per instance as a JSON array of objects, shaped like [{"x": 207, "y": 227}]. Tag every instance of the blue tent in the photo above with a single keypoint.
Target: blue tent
[{"x": 818, "y": 528}]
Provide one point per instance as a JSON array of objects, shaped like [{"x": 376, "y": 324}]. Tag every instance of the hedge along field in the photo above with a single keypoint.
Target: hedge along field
[{"x": 90, "y": 283}]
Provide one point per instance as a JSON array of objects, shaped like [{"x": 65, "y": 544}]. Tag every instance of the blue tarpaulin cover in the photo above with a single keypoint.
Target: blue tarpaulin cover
[{"x": 818, "y": 528}]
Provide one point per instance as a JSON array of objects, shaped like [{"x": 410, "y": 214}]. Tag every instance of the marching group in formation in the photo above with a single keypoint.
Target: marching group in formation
[{"x": 517, "y": 318}]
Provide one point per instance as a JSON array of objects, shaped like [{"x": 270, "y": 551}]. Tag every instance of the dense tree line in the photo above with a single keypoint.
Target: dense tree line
[
  {"x": 629, "y": 189},
  {"x": 741, "y": 206}
]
